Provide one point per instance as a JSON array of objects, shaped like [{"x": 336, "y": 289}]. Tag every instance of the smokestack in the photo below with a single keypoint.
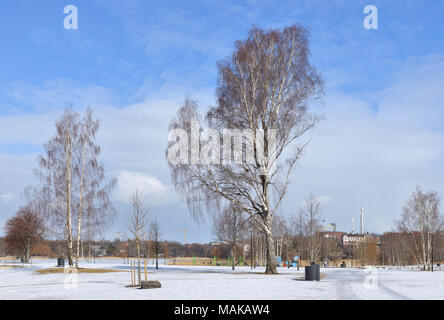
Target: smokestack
[{"x": 362, "y": 220}]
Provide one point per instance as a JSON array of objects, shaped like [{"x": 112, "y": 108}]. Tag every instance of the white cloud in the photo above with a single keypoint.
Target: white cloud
[{"x": 127, "y": 182}]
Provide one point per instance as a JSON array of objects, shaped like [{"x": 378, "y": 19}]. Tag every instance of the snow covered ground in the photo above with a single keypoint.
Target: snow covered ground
[{"x": 219, "y": 283}]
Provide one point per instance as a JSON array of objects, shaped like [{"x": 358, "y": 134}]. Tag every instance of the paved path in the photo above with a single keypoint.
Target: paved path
[{"x": 353, "y": 284}]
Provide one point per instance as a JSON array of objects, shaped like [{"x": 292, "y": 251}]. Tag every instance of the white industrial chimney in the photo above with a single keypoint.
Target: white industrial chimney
[
  {"x": 362, "y": 220},
  {"x": 353, "y": 225}
]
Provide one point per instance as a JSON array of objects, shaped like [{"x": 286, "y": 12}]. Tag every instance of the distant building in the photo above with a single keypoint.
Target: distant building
[
  {"x": 333, "y": 234},
  {"x": 356, "y": 239}
]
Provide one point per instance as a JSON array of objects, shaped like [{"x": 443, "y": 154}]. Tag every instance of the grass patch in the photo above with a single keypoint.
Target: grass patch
[
  {"x": 79, "y": 270},
  {"x": 5, "y": 266},
  {"x": 260, "y": 273}
]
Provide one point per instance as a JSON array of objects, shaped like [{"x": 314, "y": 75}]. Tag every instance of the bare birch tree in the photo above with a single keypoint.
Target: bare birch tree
[
  {"x": 93, "y": 199},
  {"x": 421, "y": 218},
  {"x": 311, "y": 209},
  {"x": 230, "y": 226},
  {"x": 138, "y": 220},
  {"x": 264, "y": 88},
  {"x": 155, "y": 237},
  {"x": 296, "y": 224},
  {"x": 279, "y": 232},
  {"x": 72, "y": 181},
  {"x": 56, "y": 175}
]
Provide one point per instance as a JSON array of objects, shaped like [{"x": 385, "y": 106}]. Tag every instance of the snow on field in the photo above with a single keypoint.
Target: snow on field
[{"x": 219, "y": 283}]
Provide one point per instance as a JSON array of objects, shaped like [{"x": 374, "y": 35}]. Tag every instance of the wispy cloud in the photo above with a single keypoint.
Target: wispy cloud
[{"x": 54, "y": 95}]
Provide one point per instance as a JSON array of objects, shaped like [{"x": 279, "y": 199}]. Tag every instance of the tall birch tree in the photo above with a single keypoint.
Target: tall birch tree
[
  {"x": 72, "y": 181},
  {"x": 264, "y": 88},
  {"x": 94, "y": 202},
  {"x": 311, "y": 210}
]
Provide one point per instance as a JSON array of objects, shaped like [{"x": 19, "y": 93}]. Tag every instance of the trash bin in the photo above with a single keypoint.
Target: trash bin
[
  {"x": 60, "y": 262},
  {"x": 310, "y": 273},
  {"x": 313, "y": 272}
]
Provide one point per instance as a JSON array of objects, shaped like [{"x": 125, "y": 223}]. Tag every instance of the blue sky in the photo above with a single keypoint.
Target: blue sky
[{"x": 134, "y": 61}]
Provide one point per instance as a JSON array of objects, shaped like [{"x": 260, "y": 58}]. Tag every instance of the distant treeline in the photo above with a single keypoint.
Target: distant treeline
[{"x": 117, "y": 248}]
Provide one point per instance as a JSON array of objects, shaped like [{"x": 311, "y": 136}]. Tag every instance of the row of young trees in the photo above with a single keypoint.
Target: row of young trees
[
  {"x": 295, "y": 235},
  {"x": 417, "y": 240}
]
